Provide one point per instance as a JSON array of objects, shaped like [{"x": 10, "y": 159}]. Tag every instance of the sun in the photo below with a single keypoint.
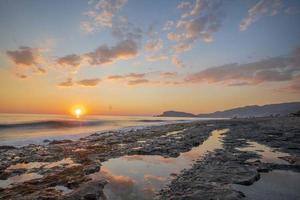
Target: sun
[{"x": 78, "y": 111}]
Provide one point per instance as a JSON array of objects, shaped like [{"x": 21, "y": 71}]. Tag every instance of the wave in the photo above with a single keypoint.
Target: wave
[
  {"x": 150, "y": 120},
  {"x": 53, "y": 124},
  {"x": 69, "y": 123}
]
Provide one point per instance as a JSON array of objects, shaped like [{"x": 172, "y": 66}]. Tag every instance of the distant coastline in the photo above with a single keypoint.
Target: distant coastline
[{"x": 281, "y": 109}]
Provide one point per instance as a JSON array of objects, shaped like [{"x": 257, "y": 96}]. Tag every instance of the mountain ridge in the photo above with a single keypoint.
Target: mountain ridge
[{"x": 242, "y": 112}]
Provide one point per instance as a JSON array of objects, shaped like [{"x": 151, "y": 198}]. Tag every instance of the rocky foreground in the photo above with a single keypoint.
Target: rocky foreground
[{"x": 67, "y": 164}]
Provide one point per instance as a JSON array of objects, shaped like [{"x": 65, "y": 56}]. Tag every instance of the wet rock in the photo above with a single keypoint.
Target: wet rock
[
  {"x": 91, "y": 169},
  {"x": 5, "y": 147},
  {"x": 209, "y": 178},
  {"x": 247, "y": 180},
  {"x": 88, "y": 191},
  {"x": 60, "y": 141}
]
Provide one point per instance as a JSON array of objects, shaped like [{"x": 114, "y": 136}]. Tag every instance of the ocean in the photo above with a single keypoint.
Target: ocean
[{"x": 24, "y": 129}]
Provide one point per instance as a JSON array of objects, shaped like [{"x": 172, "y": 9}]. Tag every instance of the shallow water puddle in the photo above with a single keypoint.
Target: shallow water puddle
[
  {"x": 275, "y": 185},
  {"x": 268, "y": 154},
  {"x": 19, "y": 179},
  {"x": 174, "y": 132},
  {"x": 63, "y": 189},
  {"x": 66, "y": 162},
  {"x": 141, "y": 176}
]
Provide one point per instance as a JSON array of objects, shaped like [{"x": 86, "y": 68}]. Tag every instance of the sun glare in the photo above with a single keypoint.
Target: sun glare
[{"x": 78, "y": 111}]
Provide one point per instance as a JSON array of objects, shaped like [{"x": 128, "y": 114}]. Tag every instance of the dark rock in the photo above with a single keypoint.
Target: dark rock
[
  {"x": 60, "y": 141},
  {"x": 6, "y": 147}
]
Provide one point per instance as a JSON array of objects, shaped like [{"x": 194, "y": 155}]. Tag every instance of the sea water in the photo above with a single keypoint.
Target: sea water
[{"x": 23, "y": 129}]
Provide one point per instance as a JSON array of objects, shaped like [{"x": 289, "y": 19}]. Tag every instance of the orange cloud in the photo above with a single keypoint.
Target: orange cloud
[
  {"x": 168, "y": 74},
  {"x": 137, "y": 81},
  {"x": 85, "y": 82},
  {"x": 156, "y": 58},
  {"x": 127, "y": 76},
  {"x": 22, "y": 76},
  {"x": 154, "y": 45},
  {"x": 294, "y": 86},
  {"x": 177, "y": 62},
  {"x": 67, "y": 83},
  {"x": 89, "y": 82}
]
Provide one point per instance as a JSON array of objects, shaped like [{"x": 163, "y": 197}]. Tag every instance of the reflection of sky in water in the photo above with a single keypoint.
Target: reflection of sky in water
[
  {"x": 268, "y": 154},
  {"x": 19, "y": 179},
  {"x": 63, "y": 189},
  {"x": 140, "y": 176},
  {"x": 66, "y": 162},
  {"x": 275, "y": 185}
]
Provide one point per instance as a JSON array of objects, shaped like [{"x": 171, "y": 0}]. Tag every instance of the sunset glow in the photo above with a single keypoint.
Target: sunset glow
[
  {"x": 112, "y": 99},
  {"x": 147, "y": 56},
  {"x": 78, "y": 112}
]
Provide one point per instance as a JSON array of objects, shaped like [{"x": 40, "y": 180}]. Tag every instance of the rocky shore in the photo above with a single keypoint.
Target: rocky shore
[{"x": 62, "y": 169}]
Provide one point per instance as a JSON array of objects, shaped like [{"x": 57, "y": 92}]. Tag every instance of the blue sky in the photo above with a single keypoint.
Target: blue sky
[{"x": 53, "y": 30}]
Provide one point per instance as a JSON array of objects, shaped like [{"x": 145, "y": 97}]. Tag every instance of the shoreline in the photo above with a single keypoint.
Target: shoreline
[
  {"x": 40, "y": 140},
  {"x": 211, "y": 175}
]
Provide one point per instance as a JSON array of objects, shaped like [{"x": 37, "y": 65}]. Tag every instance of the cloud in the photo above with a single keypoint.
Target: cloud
[
  {"x": 177, "y": 62},
  {"x": 200, "y": 21},
  {"x": 115, "y": 77},
  {"x": 168, "y": 74},
  {"x": 294, "y": 85},
  {"x": 21, "y": 76},
  {"x": 124, "y": 30},
  {"x": 89, "y": 82},
  {"x": 27, "y": 60},
  {"x": 27, "y": 57},
  {"x": 168, "y": 25},
  {"x": 154, "y": 45},
  {"x": 103, "y": 14},
  {"x": 84, "y": 82},
  {"x": 24, "y": 56},
  {"x": 67, "y": 83},
  {"x": 104, "y": 55},
  {"x": 281, "y": 68},
  {"x": 70, "y": 60},
  {"x": 259, "y": 10},
  {"x": 155, "y": 58},
  {"x": 173, "y": 83},
  {"x": 292, "y": 10},
  {"x": 195, "y": 10},
  {"x": 137, "y": 81},
  {"x": 182, "y": 47},
  {"x": 185, "y": 5},
  {"x": 127, "y": 76},
  {"x": 87, "y": 27},
  {"x": 152, "y": 78}
]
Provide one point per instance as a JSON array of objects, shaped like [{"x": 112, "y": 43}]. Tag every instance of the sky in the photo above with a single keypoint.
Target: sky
[{"x": 142, "y": 57}]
